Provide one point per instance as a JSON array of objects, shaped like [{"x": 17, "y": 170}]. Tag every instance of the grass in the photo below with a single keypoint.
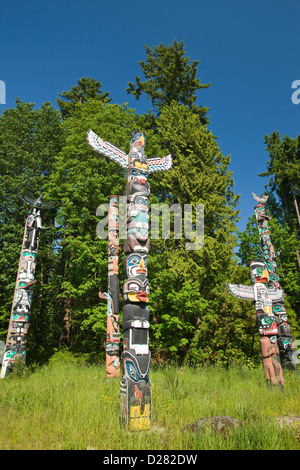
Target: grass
[{"x": 74, "y": 407}]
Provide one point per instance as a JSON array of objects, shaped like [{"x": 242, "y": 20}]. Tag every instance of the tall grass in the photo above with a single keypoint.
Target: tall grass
[{"x": 70, "y": 406}]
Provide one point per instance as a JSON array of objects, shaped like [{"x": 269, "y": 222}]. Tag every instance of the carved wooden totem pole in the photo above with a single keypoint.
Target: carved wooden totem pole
[
  {"x": 267, "y": 294},
  {"x": 16, "y": 341},
  {"x": 285, "y": 342},
  {"x": 113, "y": 294},
  {"x": 135, "y": 387}
]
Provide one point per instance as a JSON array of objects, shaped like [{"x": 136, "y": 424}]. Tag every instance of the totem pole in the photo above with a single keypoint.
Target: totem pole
[
  {"x": 266, "y": 292},
  {"x": 16, "y": 341},
  {"x": 112, "y": 296},
  {"x": 263, "y": 298},
  {"x": 135, "y": 387},
  {"x": 285, "y": 342}
]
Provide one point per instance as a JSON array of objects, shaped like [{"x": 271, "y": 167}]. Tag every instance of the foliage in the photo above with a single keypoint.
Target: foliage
[
  {"x": 169, "y": 77},
  {"x": 29, "y": 140},
  {"x": 283, "y": 201},
  {"x": 87, "y": 88},
  {"x": 283, "y": 169},
  {"x": 193, "y": 318}
]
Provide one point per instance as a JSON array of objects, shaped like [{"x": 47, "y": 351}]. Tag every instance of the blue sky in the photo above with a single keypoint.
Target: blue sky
[{"x": 248, "y": 51}]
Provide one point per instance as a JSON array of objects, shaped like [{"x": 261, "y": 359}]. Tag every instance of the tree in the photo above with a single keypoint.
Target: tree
[
  {"x": 282, "y": 239},
  {"x": 283, "y": 169},
  {"x": 169, "y": 76},
  {"x": 87, "y": 88},
  {"x": 188, "y": 297},
  {"x": 81, "y": 181},
  {"x": 29, "y": 140}
]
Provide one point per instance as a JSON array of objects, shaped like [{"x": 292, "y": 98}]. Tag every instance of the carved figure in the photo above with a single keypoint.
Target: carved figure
[
  {"x": 113, "y": 294},
  {"x": 16, "y": 341},
  {"x": 135, "y": 387},
  {"x": 284, "y": 338},
  {"x": 263, "y": 298},
  {"x": 268, "y": 296}
]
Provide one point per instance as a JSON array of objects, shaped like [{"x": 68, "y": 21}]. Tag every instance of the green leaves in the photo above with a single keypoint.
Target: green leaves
[
  {"x": 169, "y": 77},
  {"x": 87, "y": 88}
]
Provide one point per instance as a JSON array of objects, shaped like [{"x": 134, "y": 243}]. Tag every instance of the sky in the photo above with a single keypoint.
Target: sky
[{"x": 248, "y": 50}]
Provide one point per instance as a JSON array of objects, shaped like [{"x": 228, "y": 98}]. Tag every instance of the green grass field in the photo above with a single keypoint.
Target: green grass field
[{"x": 74, "y": 407}]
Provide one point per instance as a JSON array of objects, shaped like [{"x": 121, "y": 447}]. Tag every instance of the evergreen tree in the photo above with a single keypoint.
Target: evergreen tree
[
  {"x": 29, "y": 139},
  {"x": 87, "y": 88},
  {"x": 188, "y": 298},
  {"x": 82, "y": 180},
  {"x": 169, "y": 76},
  {"x": 282, "y": 239},
  {"x": 283, "y": 169}
]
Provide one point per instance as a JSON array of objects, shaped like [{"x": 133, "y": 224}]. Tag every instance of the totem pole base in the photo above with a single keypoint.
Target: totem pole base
[{"x": 135, "y": 404}]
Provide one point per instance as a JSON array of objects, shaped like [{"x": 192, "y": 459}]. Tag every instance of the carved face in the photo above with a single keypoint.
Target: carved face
[
  {"x": 113, "y": 218},
  {"x": 27, "y": 266},
  {"x": 139, "y": 227},
  {"x": 137, "y": 175},
  {"x": 266, "y": 324},
  {"x": 136, "y": 264},
  {"x": 137, "y": 183},
  {"x": 138, "y": 141},
  {"x": 260, "y": 211},
  {"x": 140, "y": 203},
  {"x": 136, "y": 290},
  {"x": 258, "y": 272},
  {"x": 286, "y": 343},
  {"x": 130, "y": 370},
  {"x": 279, "y": 310},
  {"x": 138, "y": 160}
]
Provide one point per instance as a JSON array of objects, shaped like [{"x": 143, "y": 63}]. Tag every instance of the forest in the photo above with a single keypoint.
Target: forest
[{"x": 194, "y": 319}]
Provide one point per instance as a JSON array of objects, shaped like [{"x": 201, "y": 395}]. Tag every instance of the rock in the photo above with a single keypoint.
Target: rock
[
  {"x": 217, "y": 423},
  {"x": 290, "y": 421}
]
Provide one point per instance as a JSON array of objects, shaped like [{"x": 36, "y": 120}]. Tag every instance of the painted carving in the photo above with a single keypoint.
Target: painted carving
[
  {"x": 16, "y": 342},
  {"x": 268, "y": 296},
  {"x": 270, "y": 255},
  {"x": 113, "y": 294},
  {"x": 135, "y": 387}
]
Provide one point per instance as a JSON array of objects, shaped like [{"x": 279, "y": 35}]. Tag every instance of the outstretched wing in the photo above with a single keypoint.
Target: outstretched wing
[
  {"x": 39, "y": 203},
  {"x": 107, "y": 149},
  {"x": 159, "y": 164},
  {"x": 260, "y": 200},
  {"x": 276, "y": 295},
  {"x": 240, "y": 291}
]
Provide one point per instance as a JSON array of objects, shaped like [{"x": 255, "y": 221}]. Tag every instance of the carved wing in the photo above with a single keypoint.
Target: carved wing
[
  {"x": 240, "y": 291},
  {"x": 107, "y": 149},
  {"x": 261, "y": 200},
  {"x": 159, "y": 164},
  {"x": 39, "y": 203},
  {"x": 275, "y": 295}
]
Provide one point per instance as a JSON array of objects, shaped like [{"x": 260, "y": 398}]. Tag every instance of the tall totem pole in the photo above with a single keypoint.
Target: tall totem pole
[
  {"x": 16, "y": 341},
  {"x": 285, "y": 342},
  {"x": 135, "y": 387},
  {"x": 113, "y": 294},
  {"x": 267, "y": 294}
]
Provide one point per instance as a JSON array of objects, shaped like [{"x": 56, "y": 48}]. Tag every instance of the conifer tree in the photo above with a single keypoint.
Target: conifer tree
[
  {"x": 82, "y": 181},
  {"x": 29, "y": 139},
  {"x": 169, "y": 76},
  {"x": 188, "y": 295},
  {"x": 86, "y": 88},
  {"x": 283, "y": 169}
]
